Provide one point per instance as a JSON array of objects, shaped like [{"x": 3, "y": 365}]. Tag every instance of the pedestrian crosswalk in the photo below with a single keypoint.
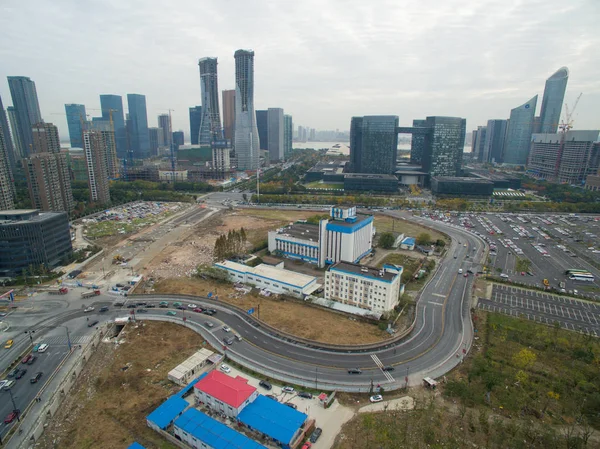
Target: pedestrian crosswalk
[
  {"x": 378, "y": 362},
  {"x": 61, "y": 340}
]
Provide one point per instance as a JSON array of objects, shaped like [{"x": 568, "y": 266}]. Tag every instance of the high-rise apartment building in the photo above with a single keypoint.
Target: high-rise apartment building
[
  {"x": 564, "y": 158},
  {"x": 75, "y": 120},
  {"x": 275, "y": 134},
  {"x": 247, "y": 148},
  {"x": 195, "y": 119},
  {"x": 210, "y": 125},
  {"x": 220, "y": 158},
  {"x": 7, "y": 188},
  {"x": 45, "y": 138},
  {"x": 106, "y": 129},
  {"x": 262, "y": 125},
  {"x": 444, "y": 146},
  {"x": 288, "y": 132},
  {"x": 417, "y": 143},
  {"x": 139, "y": 140},
  {"x": 518, "y": 134},
  {"x": 11, "y": 156},
  {"x": 178, "y": 139},
  {"x": 495, "y": 137},
  {"x": 479, "y": 137},
  {"x": 552, "y": 101},
  {"x": 229, "y": 114},
  {"x": 14, "y": 129},
  {"x": 374, "y": 144},
  {"x": 164, "y": 123},
  {"x": 112, "y": 107},
  {"x": 95, "y": 146},
  {"x": 27, "y": 109},
  {"x": 155, "y": 142}
]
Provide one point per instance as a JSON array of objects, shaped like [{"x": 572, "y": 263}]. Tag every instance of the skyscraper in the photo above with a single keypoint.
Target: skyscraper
[
  {"x": 107, "y": 133},
  {"x": 139, "y": 139},
  {"x": 210, "y": 125},
  {"x": 6, "y": 180},
  {"x": 14, "y": 129},
  {"x": 155, "y": 142},
  {"x": 164, "y": 123},
  {"x": 27, "y": 109},
  {"x": 195, "y": 118},
  {"x": 554, "y": 94},
  {"x": 178, "y": 138},
  {"x": 518, "y": 134},
  {"x": 75, "y": 119},
  {"x": 8, "y": 145},
  {"x": 95, "y": 146},
  {"x": 417, "y": 143},
  {"x": 275, "y": 133},
  {"x": 288, "y": 131},
  {"x": 247, "y": 148},
  {"x": 378, "y": 146},
  {"x": 479, "y": 143},
  {"x": 262, "y": 125},
  {"x": 444, "y": 146},
  {"x": 495, "y": 138},
  {"x": 113, "y": 104},
  {"x": 228, "y": 113}
]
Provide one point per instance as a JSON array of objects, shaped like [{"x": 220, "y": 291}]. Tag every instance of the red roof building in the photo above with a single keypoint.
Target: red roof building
[{"x": 224, "y": 394}]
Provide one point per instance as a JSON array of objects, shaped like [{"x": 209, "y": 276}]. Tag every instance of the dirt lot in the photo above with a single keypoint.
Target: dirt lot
[
  {"x": 289, "y": 316},
  {"x": 108, "y": 406}
]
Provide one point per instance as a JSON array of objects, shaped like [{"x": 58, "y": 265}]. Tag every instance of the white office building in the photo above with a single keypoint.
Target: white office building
[
  {"x": 365, "y": 287},
  {"x": 346, "y": 236}
]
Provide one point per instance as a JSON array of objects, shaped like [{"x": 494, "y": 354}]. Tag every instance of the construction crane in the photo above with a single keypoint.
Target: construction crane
[{"x": 567, "y": 124}]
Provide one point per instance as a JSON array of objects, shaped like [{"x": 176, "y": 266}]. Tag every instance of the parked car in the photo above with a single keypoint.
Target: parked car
[
  {"x": 225, "y": 368},
  {"x": 272, "y": 396},
  {"x": 265, "y": 384},
  {"x": 307, "y": 445},
  {"x": 288, "y": 389},
  {"x": 31, "y": 360},
  {"x": 289, "y": 404},
  {"x": 92, "y": 323},
  {"x": 305, "y": 395},
  {"x": 11, "y": 416},
  {"x": 35, "y": 378},
  {"x": 376, "y": 398},
  {"x": 316, "y": 434},
  {"x": 103, "y": 309}
]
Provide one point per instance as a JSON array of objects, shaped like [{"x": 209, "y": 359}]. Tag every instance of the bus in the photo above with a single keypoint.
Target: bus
[
  {"x": 571, "y": 271},
  {"x": 582, "y": 277}
]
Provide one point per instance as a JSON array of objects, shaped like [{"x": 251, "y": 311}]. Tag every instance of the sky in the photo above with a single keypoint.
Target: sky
[{"x": 323, "y": 61}]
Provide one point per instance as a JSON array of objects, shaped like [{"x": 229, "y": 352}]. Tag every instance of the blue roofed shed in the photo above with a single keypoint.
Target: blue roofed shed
[
  {"x": 408, "y": 243},
  {"x": 166, "y": 413},
  {"x": 194, "y": 426},
  {"x": 135, "y": 445},
  {"x": 276, "y": 420}
]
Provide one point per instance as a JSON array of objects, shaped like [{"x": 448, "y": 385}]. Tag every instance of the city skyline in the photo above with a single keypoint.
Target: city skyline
[{"x": 312, "y": 80}]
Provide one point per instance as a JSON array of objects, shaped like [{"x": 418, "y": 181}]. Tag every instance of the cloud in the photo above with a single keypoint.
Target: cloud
[{"x": 323, "y": 61}]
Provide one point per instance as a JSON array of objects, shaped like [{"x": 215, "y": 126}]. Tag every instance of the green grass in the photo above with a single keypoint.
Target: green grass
[
  {"x": 324, "y": 185},
  {"x": 387, "y": 224},
  {"x": 410, "y": 265},
  {"x": 110, "y": 228}
]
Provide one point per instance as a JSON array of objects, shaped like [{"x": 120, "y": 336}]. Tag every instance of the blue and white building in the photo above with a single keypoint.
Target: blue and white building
[
  {"x": 346, "y": 236},
  {"x": 365, "y": 287}
]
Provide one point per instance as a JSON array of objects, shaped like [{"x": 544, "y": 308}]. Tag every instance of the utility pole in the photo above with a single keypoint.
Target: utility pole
[
  {"x": 12, "y": 398},
  {"x": 30, "y": 337},
  {"x": 406, "y": 378}
]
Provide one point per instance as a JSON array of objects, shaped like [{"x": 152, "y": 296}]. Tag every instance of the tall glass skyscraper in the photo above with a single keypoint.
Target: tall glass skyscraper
[
  {"x": 114, "y": 103},
  {"x": 495, "y": 138},
  {"x": 518, "y": 135},
  {"x": 262, "y": 124},
  {"x": 195, "y": 119},
  {"x": 288, "y": 134},
  {"x": 444, "y": 146},
  {"x": 554, "y": 94},
  {"x": 75, "y": 119},
  {"x": 27, "y": 109},
  {"x": 355, "y": 143},
  {"x": 228, "y": 113},
  {"x": 164, "y": 123},
  {"x": 378, "y": 146},
  {"x": 417, "y": 143},
  {"x": 210, "y": 125},
  {"x": 140, "y": 138},
  {"x": 247, "y": 147},
  {"x": 275, "y": 133},
  {"x": 11, "y": 156}
]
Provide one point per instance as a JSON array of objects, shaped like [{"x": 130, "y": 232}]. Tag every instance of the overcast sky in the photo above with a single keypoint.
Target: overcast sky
[{"x": 323, "y": 61}]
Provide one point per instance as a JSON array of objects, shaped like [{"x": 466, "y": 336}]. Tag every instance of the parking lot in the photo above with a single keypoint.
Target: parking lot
[{"x": 570, "y": 313}]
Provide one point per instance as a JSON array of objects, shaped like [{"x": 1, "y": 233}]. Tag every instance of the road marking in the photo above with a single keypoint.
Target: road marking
[
  {"x": 439, "y": 295},
  {"x": 562, "y": 311}
]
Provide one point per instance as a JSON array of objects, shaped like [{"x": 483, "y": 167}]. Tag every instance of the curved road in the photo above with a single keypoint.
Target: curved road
[{"x": 442, "y": 333}]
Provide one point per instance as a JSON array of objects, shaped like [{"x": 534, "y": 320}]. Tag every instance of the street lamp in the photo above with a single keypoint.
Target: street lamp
[
  {"x": 30, "y": 336},
  {"x": 68, "y": 337}
]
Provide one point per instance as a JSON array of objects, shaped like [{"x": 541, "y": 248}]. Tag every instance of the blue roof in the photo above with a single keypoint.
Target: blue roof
[
  {"x": 166, "y": 412},
  {"x": 189, "y": 386},
  {"x": 214, "y": 433},
  {"x": 135, "y": 445},
  {"x": 408, "y": 241},
  {"x": 272, "y": 418}
]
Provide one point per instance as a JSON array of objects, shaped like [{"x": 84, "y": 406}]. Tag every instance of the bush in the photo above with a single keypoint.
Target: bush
[{"x": 386, "y": 240}]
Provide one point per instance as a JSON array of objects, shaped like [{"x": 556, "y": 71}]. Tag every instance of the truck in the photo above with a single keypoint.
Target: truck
[
  {"x": 90, "y": 294},
  {"x": 58, "y": 291},
  {"x": 546, "y": 283}
]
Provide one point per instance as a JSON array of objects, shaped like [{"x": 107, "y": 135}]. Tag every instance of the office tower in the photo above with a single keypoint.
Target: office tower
[
  {"x": 14, "y": 129},
  {"x": 164, "y": 123},
  {"x": 27, "y": 109},
  {"x": 518, "y": 134},
  {"x": 155, "y": 142},
  {"x": 444, "y": 146},
  {"x": 374, "y": 144},
  {"x": 313, "y": 134},
  {"x": 473, "y": 142},
  {"x": 139, "y": 140},
  {"x": 262, "y": 125},
  {"x": 95, "y": 148},
  {"x": 537, "y": 125},
  {"x": 7, "y": 188},
  {"x": 8, "y": 144},
  {"x": 479, "y": 143},
  {"x": 75, "y": 119},
  {"x": 247, "y": 147},
  {"x": 195, "y": 118},
  {"x": 552, "y": 101},
  {"x": 112, "y": 107},
  {"x": 495, "y": 138},
  {"x": 220, "y": 158},
  {"x": 178, "y": 139},
  {"x": 417, "y": 143},
  {"x": 210, "y": 125},
  {"x": 288, "y": 131},
  {"x": 106, "y": 130},
  {"x": 275, "y": 133},
  {"x": 228, "y": 114},
  {"x": 564, "y": 158}
]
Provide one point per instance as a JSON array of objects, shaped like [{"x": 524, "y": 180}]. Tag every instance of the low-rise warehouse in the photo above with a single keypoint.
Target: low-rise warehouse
[
  {"x": 224, "y": 394},
  {"x": 456, "y": 186},
  {"x": 267, "y": 277},
  {"x": 182, "y": 374},
  {"x": 367, "y": 182}
]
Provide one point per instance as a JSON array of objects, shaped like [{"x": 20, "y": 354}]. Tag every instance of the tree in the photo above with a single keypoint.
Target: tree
[
  {"x": 524, "y": 358},
  {"x": 440, "y": 243},
  {"x": 386, "y": 240},
  {"x": 424, "y": 238},
  {"x": 245, "y": 197}
]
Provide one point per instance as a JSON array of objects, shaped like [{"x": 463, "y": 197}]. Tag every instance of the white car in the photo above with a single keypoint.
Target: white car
[
  {"x": 192, "y": 306},
  {"x": 376, "y": 398},
  {"x": 226, "y": 328},
  {"x": 225, "y": 369},
  {"x": 89, "y": 309},
  {"x": 288, "y": 389}
]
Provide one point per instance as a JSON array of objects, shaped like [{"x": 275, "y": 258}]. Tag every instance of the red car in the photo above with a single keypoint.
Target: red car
[
  {"x": 11, "y": 416},
  {"x": 198, "y": 310},
  {"x": 307, "y": 445},
  {"x": 466, "y": 274},
  {"x": 26, "y": 359}
]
